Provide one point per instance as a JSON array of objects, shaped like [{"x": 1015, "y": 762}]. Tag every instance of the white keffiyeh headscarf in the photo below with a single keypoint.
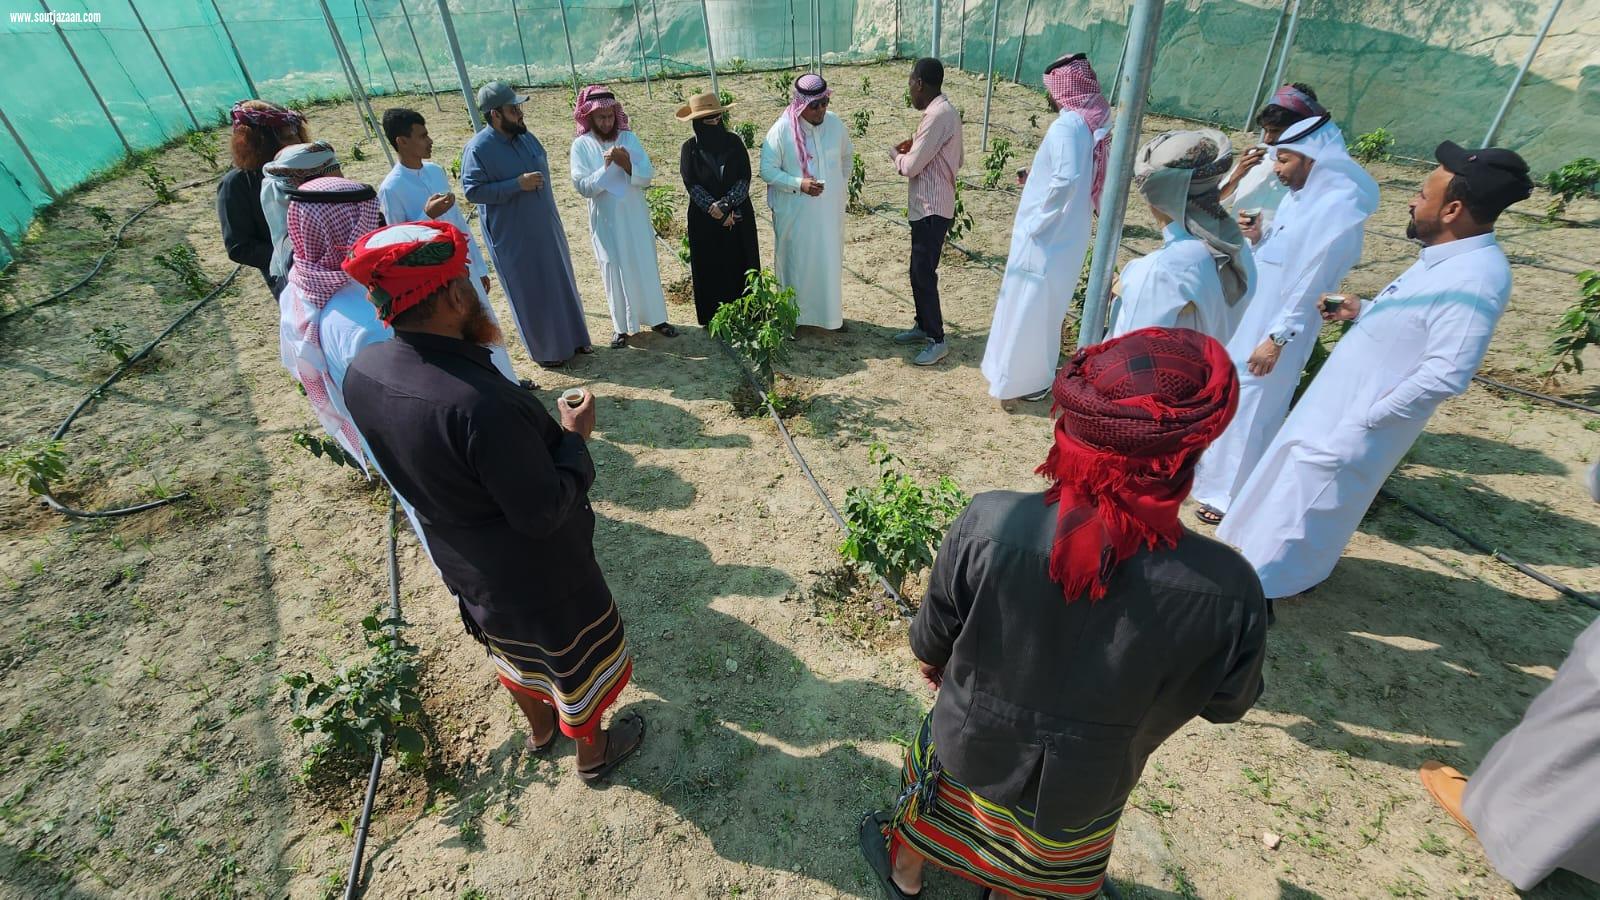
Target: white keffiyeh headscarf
[
  {"x": 294, "y": 165},
  {"x": 1179, "y": 173}
]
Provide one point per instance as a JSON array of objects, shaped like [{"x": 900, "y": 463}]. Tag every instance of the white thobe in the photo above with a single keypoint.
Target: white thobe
[
  {"x": 619, "y": 227},
  {"x": 1415, "y": 345},
  {"x": 1284, "y": 302},
  {"x": 1048, "y": 240},
  {"x": 1177, "y": 286},
  {"x": 808, "y": 232},
  {"x": 1258, "y": 189},
  {"x": 403, "y": 196}
]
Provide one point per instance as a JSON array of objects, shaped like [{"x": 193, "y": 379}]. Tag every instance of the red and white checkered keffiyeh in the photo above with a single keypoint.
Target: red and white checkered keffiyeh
[
  {"x": 593, "y": 97},
  {"x": 322, "y": 234},
  {"x": 808, "y": 89},
  {"x": 1074, "y": 86}
]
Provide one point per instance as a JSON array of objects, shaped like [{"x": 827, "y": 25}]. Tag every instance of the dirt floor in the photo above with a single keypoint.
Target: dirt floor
[{"x": 146, "y": 747}]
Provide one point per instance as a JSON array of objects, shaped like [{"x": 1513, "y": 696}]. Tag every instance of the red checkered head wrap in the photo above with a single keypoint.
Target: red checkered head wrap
[
  {"x": 1133, "y": 415},
  {"x": 273, "y": 116},
  {"x": 1074, "y": 86},
  {"x": 593, "y": 97},
  {"x": 1296, "y": 101},
  {"x": 326, "y": 215},
  {"x": 403, "y": 265},
  {"x": 808, "y": 89}
]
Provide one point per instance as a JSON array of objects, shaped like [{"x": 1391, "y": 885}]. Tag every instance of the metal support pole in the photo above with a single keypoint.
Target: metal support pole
[
  {"x": 516, "y": 19},
  {"x": 816, "y": 29},
  {"x": 1022, "y": 41},
  {"x": 432, "y": 91},
  {"x": 89, "y": 81},
  {"x": 988, "y": 90},
  {"x": 356, "y": 93},
  {"x": 1143, "y": 33},
  {"x": 249, "y": 83},
  {"x": 1288, "y": 43},
  {"x": 938, "y": 19},
  {"x": 572, "y": 61},
  {"x": 382, "y": 51},
  {"x": 961, "y": 49},
  {"x": 362, "y": 100},
  {"x": 164, "y": 67},
  {"x": 1116, "y": 76},
  {"x": 794, "y": 43},
  {"x": 11, "y": 249},
  {"x": 1266, "y": 64},
  {"x": 28, "y": 155},
  {"x": 461, "y": 65},
  {"x": 644, "y": 64},
  {"x": 1516, "y": 83},
  {"x": 711, "y": 55},
  {"x": 655, "y": 16}
]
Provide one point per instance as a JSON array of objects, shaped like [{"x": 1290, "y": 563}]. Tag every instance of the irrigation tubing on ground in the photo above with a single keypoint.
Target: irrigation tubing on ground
[
  {"x": 1535, "y": 395},
  {"x": 116, "y": 242},
  {"x": 100, "y": 389},
  {"x": 353, "y": 879}
]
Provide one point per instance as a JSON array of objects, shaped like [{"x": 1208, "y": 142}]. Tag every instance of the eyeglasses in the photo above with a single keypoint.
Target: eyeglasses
[{"x": 818, "y": 104}]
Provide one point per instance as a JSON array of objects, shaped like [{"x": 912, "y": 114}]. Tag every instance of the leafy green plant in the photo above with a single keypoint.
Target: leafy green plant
[
  {"x": 738, "y": 65},
  {"x": 1033, "y": 120},
  {"x": 1576, "y": 179},
  {"x": 747, "y": 133},
  {"x": 860, "y": 121},
  {"x": 455, "y": 166},
  {"x": 858, "y": 180},
  {"x": 759, "y": 324},
  {"x": 109, "y": 339},
  {"x": 782, "y": 84},
  {"x": 683, "y": 251},
  {"x": 995, "y": 162},
  {"x": 905, "y": 98},
  {"x": 324, "y": 448},
  {"x": 866, "y": 84},
  {"x": 961, "y": 223},
  {"x": 183, "y": 262},
  {"x": 1578, "y": 329},
  {"x": 662, "y": 209},
  {"x": 356, "y": 153},
  {"x": 158, "y": 184},
  {"x": 34, "y": 465},
  {"x": 362, "y": 707},
  {"x": 1373, "y": 146},
  {"x": 205, "y": 145},
  {"x": 895, "y": 526},
  {"x": 725, "y": 97},
  {"x": 102, "y": 218}
]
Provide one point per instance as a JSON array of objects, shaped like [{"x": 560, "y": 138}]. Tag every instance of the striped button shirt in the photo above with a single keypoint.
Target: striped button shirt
[{"x": 932, "y": 162}]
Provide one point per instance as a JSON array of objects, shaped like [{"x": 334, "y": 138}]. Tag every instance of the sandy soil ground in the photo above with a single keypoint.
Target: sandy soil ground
[{"x": 146, "y": 750}]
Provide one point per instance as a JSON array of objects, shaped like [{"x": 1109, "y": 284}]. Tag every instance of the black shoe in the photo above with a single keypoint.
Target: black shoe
[
  {"x": 665, "y": 329},
  {"x": 618, "y": 342}
]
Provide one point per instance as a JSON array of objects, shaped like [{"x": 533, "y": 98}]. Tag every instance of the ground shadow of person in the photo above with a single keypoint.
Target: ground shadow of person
[
  {"x": 1527, "y": 529},
  {"x": 1475, "y": 455}
]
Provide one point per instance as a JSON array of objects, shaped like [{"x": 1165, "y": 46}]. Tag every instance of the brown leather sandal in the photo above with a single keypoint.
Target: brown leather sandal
[{"x": 625, "y": 736}]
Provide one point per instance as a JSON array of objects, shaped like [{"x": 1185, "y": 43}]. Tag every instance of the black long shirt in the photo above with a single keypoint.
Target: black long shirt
[
  {"x": 500, "y": 489},
  {"x": 1056, "y": 706},
  {"x": 244, "y": 226}
]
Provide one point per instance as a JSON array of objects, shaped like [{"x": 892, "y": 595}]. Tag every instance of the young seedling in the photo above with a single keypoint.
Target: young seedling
[
  {"x": 758, "y": 325},
  {"x": 866, "y": 84},
  {"x": 684, "y": 252},
  {"x": 1033, "y": 120},
  {"x": 102, "y": 218},
  {"x": 860, "y": 121},
  {"x": 738, "y": 66},
  {"x": 1373, "y": 146},
  {"x": 858, "y": 180},
  {"x": 782, "y": 86},
  {"x": 158, "y": 184},
  {"x": 356, "y": 153},
  {"x": 33, "y": 466},
  {"x": 182, "y": 261},
  {"x": 747, "y": 133},
  {"x": 324, "y": 448},
  {"x": 1578, "y": 329},
  {"x": 1576, "y": 179},
  {"x": 961, "y": 224},
  {"x": 662, "y": 209},
  {"x": 996, "y": 163},
  {"x": 109, "y": 339},
  {"x": 725, "y": 97},
  {"x": 205, "y": 145},
  {"x": 895, "y": 526}
]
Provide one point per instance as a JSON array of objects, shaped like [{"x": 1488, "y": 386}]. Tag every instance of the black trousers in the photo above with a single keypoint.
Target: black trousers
[{"x": 927, "y": 243}]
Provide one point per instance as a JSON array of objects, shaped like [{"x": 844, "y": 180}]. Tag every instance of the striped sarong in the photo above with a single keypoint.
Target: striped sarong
[{"x": 983, "y": 842}]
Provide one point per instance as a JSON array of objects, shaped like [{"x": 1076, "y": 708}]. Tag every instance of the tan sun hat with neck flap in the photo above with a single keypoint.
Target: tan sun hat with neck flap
[{"x": 702, "y": 106}]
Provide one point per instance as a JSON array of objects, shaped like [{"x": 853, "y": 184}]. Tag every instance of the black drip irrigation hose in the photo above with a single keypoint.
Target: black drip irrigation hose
[
  {"x": 100, "y": 389},
  {"x": 352, "y": 880},
  {"x": 1535, "y": 395}
]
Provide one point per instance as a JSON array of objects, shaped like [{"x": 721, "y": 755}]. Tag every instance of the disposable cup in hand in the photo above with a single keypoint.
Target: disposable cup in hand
[
  {"x": 1332, "y": 303},
  {"x": 1254, "y": 215},
  {"x": 574, "y": 397}
]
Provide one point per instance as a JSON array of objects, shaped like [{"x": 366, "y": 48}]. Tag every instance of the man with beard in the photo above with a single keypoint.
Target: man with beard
[
  {"x": 610, "y": 167},
  {"x": 500, "y": 488},
  {"x": 506, "y": 171},
  {"x": 1412, "y": 347}
]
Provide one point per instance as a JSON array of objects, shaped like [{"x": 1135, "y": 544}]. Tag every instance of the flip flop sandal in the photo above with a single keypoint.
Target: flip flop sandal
[
  {"x": 542, "y": 749},
  {"x": 1433, "y": 775},
  {"x": 1208, "y": 515},
  {"x": 553, "y": 364},
  {"x": 586, "y": 349},
  {"x": 617, "y": 731},
  {"x": 875, "y": 850},
  {"x": 665, "y": 329},
  {"x": 618, "y": 342}
]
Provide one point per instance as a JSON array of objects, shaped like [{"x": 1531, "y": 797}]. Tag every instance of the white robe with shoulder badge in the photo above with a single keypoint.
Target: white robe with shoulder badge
[
  {"x": 619, "y": 227},
  {"x": 808, "y": 232}
]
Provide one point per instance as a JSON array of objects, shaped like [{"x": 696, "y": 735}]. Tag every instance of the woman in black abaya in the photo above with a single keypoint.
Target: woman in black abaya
[{"x": 722, "y": 225}]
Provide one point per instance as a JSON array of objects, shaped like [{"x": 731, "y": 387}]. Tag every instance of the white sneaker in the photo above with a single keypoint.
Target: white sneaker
[{"x": 932, "y": 353}]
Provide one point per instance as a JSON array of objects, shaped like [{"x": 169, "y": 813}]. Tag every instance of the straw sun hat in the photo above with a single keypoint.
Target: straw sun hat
[{"x": 700, "y": 106}]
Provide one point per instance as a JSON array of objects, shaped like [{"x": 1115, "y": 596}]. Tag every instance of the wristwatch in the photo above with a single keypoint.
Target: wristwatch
[{"x": 1278, "y": 339}]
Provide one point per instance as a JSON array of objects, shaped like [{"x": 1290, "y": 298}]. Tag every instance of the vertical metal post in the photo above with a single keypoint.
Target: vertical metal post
[
  {"x": 432, "y": 91},
  {"x": 1288, "y": 42},
  {"x": 227, "y": 32},
  {"x": 516, "y": 19},
  {"x": 711, "y": 55},
  {"x": 988, "y": 90},
  {"x": 461, "y": 65},
  {"x": 644, "y": 64},
  {"x": 1505, "y": 105},
  {"x": 938, "y": 19},
  {"x": 1266, "y": 64},
  {"x": 961, "y": 49},
  {"x": 11, "y": 249},
  {"x": 1144, "y": 31},
  {"x": 655, "y": 16},
  {"x": 816, "y": 30},
  {"x": 794, "y": 44},
  {"x": 382, "y": 51},
  {"x": 28, "y": 155},
  {"x": 360, "y": 91},
  {"x": 89, "y": 81},
  {"x": 164, "y": 67},
  {"x": 356, "y": 93},
  {"x": 1116, "y": 76},
  {"x": 572, "y": 61},
  {"x": 1022, "y": 41}
]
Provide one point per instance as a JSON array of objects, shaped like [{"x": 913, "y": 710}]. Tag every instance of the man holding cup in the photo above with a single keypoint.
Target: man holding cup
[{"x": 500, "y": 489}]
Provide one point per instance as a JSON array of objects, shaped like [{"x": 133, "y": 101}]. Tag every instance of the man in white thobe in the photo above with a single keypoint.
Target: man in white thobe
[
  {"x": 1200, "y": 278},
  {"x": 1049, "y": 237},
  {"x": 1413, "y": 346},
  {"x": 415, "y": 190},
  {"x": 610, "y": 167},
  {"x": 1312, "y": 244},
  {"x": 1252, "y": 187},
  {"x": 806, "y": 161}
]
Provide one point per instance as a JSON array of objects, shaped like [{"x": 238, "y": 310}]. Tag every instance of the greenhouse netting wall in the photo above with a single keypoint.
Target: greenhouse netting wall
[{"x": 1424, "y": 70}]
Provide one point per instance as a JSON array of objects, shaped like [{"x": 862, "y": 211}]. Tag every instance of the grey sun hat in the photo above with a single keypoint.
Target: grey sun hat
[{"x": 496, "y": 94}]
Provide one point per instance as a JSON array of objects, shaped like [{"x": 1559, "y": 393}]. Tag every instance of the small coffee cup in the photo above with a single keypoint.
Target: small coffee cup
[
  {"x": 574, "y": 397},
  {"x": 1254, "y": 214},
  {"x": 1331, "y": 303}
]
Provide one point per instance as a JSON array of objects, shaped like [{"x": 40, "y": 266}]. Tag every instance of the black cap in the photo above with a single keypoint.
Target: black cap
[{"x": 1496, "y": 178}]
